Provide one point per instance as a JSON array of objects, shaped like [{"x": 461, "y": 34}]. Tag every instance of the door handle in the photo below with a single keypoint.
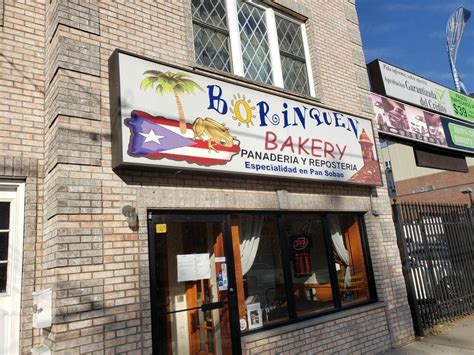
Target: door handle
[{"x": 210, "y": 306}]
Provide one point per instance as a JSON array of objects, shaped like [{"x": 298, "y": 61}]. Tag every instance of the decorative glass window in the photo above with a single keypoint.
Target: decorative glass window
[
  {"x": 293, "y": 62},
  {"x": 253, "y": 40},
  {"x": 211, "y": 34}
]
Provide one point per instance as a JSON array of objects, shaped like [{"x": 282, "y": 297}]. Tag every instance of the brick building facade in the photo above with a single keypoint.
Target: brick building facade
[
  {"x": 55, "y": 115},
  {"x": 418, "y": 184}
]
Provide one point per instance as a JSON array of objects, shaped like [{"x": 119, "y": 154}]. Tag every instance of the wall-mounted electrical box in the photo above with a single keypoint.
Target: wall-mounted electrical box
[{"x": 42, "y": 308}]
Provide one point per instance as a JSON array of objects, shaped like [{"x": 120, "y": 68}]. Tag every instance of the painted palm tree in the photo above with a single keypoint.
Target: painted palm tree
[{"x": 171, "y": 83}]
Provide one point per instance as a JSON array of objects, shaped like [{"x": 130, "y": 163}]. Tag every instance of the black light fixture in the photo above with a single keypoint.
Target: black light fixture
[
  {"x": 467, "y": 191},
  {"x": 132, "y": 217}
]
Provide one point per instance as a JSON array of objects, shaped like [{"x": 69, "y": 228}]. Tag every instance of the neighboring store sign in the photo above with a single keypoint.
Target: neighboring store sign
[
  {"x": 408, "y": 122},
  {"x": 402, "y": 85},
  {"x": 174, "y": 118}
]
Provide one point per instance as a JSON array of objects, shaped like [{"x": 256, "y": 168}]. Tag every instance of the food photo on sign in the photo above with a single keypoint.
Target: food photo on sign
[
  {"x": 395, "y": 118},
  {"x": 175, "y": 118}
]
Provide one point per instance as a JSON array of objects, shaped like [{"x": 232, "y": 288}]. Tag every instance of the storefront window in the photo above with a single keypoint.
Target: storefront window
[
  {"x": 304, "y": 252},
  {"x": 259, "y": 271},
  {"x": 349, "y": 258},
  {"x": 277, "y": 268},
  {"x": 312, "y": 289}
]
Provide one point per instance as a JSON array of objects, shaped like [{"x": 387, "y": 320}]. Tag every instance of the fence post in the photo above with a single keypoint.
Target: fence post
[{"x": 406, "y": 269}]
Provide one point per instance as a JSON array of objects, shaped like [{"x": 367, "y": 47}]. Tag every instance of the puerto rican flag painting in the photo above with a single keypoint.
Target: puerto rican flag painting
[{"x": 157, "y": 137}]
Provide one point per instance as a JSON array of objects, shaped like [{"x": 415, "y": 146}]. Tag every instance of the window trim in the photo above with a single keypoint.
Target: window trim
[
  {"x": 235, "y": 47},
  {"x": 14, "y": 191},
  {"x": 216, "y": 29}
]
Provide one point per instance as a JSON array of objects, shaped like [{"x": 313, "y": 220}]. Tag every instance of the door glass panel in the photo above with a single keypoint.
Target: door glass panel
[
  {"x": 4, "y": 215},
  {"x": 192, "y": 283},
  {"x": 349, "y": 257},
  {"x": 259, "y": 272},
  {"x": 312, "y": 289}
]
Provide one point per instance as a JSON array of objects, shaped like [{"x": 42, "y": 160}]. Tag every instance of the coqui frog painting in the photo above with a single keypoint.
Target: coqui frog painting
[{"x": 204, "y": 142}]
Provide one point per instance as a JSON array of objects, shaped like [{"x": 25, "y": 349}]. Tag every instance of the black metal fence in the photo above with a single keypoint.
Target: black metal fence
[{"x": 436, "y": 243}]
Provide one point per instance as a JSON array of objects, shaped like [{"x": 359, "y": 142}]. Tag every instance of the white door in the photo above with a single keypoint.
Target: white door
[{"x": 11, "y": 256}]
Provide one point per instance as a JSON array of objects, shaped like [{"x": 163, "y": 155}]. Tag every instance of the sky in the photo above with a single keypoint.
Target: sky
[{"x": 411, "y": 34}]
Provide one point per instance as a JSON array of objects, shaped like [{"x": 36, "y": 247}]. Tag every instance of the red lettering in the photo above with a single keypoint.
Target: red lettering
[
  {"x": 270, "y": 139},
  {"x": 341, "y": 152},
  {"x": 315, "y": 147},
  {"x": 301, "y": 145},
  {"x": 300, "y": 243},
  {"x": 328, "y": 151},
  {"x": 287, "y": 143}
]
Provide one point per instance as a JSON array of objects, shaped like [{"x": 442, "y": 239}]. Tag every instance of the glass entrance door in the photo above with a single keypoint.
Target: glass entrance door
[{"x": 192, "y": 285}]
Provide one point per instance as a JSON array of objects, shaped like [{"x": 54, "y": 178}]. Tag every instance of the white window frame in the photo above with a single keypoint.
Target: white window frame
[
  {"x": 13, "y": 192},
  {"x": 275, "y": 59}
]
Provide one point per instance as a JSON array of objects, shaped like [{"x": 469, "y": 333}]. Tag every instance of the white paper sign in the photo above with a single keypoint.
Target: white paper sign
[
  {"x": 193, "y": 267},
  {"x": 202, "y": 266}
]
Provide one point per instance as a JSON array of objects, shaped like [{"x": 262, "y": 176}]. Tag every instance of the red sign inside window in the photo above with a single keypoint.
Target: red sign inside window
[{"x": 300, "y": 243}]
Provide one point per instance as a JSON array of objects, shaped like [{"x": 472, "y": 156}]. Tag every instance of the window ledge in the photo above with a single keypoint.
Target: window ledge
[
  {"x": 255, "y": 85},
  {"x": 311, "y": 322}
]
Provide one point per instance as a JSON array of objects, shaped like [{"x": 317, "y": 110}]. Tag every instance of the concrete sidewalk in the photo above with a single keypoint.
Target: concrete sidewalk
[{"x": 458, "y": 338}]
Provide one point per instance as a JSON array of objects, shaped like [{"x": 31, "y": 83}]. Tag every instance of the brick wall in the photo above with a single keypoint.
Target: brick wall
[
  {"x": 22, "y": 39},
  {"x": 359, "y": 331},
  {"x": 446, "y": 185},
  {"x": 98, "y": 266}
]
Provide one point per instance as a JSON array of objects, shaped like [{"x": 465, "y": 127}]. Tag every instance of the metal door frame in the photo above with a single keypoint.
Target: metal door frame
[{"x": 157, "y": 217}]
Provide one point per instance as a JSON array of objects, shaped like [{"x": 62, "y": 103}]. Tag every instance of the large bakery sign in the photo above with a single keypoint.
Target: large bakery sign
[{"x": 173, "y": 118}]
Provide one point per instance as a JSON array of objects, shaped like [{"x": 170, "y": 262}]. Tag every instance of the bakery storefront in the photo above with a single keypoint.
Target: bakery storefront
[{"x": 239, "y": 267}]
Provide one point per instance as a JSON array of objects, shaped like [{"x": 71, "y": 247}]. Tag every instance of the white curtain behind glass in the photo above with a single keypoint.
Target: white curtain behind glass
[
  {"x": 338, "y": 243},
  {"x": 250, "y": 229}
]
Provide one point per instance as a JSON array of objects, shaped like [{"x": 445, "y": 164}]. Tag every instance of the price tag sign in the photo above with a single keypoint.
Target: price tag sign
[{"x": 463, "y": 106}]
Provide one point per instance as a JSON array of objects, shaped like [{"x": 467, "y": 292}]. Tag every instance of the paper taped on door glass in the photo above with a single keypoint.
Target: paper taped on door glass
[{"x": 193, "y": 267}]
